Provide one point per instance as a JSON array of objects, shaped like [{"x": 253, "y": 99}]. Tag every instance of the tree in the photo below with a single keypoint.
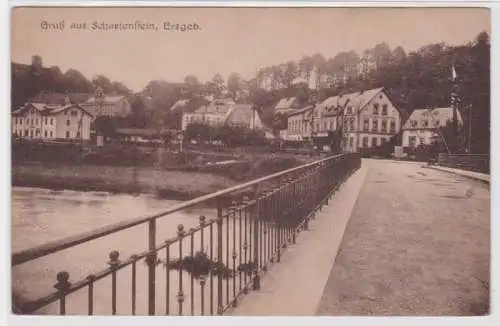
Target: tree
[
  {"x": 138, "y": 114},
  {"x": 104, "y": 126},
  {"x": 234, "y": 84},
  {"x": 193, "y": 86},
  {"x": 102, "y": 82},
  {"x": 120, "y": 88},
  {"x": 215, "y": 87}
]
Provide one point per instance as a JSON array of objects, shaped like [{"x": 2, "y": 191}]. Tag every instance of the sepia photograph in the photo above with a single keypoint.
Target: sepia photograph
[{"x": 250, "y": 161}]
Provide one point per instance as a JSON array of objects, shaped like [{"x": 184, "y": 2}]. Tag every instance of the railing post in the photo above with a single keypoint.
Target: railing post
[
  {"x": 151, "y": 261},
  {"x": 255, "y": 217},
  {"x": 220, "y": 253},
  {"x": 62, "y": 286}
]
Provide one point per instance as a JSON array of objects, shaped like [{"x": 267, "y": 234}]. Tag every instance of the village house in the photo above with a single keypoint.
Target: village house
[
  {"x": 49, "y": 122},
  {"x": 212, "y": 114},
  {"x": 367, "y": 119},
  {"x": 422, "y": 127},
  {"x": 107, "y": 105},
  {"x": 298, "y": 125}
]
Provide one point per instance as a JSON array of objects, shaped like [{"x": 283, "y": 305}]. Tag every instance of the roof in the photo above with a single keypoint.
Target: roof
[
  {"x": 179, "y": 104},
  {"x": 357, "y": 100},
  {"x": 286, "y": 103},
  {"x": 305, "y": 109},
  {"x": 215, "y": 109},
  {"x": 435, "y": 114},
  {"x": 241, "y": 114},
  {"x": 107, "y": 99},
  {"x": 46, "y": 109}
]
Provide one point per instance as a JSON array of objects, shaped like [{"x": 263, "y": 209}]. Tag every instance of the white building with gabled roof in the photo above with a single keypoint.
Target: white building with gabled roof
[
  {"x": 423, "y": 125},
  {"x": 51, "y": 122}
]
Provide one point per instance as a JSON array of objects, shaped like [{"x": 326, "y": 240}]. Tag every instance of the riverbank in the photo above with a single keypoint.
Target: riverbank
[
  {"x": 178, "y": 185},
  {"x": 181, "y": 183}
]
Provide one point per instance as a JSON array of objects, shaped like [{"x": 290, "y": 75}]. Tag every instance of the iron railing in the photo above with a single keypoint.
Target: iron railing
[
  {"x": 207, "y": 268},
  {"x": 471, "y": 162}
]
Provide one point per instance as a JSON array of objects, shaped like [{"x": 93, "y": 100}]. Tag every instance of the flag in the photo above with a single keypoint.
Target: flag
[{"x": 453, "y": 73}]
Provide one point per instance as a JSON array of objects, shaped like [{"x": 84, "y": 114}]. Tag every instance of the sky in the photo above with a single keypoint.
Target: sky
[{"x": 228, "y": 40}]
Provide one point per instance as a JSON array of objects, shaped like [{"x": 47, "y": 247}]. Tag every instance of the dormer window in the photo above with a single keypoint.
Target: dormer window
[
  {"x": 425, "y": 123},
  {"x": 413, "y": 123}
]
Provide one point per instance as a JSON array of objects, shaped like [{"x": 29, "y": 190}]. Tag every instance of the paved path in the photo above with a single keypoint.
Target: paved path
[
  {"x": 294, "y": 286},
  {"x": 417, "y": 243}
]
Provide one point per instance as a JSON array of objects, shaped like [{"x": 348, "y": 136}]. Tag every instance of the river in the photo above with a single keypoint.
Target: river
[{"x": 40, "y": 216}]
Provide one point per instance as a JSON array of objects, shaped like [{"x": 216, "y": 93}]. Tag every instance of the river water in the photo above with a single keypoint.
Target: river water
[{"x": 40, "y": 216}]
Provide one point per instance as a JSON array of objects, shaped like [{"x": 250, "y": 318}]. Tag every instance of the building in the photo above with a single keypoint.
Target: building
[
  {"x": 366, "y": 119},
  {"x": 243, "y": 115},
  {"x": 298, "y": 125},
  {"x": 107, "y": 105},
  {"x": 423, "y": 125},
  {"x": 218, "y": 112},
  {"x": 50, "y": 122}
]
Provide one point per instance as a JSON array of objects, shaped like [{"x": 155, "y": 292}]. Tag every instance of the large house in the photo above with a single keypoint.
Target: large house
[
  {"x": 107, "y": 105},
  {"x": 423, "y": 125},
  {"x": 367, "y": 119},
  {"x": 49, "y": 122},
  {"x": 224, "y": 112}
]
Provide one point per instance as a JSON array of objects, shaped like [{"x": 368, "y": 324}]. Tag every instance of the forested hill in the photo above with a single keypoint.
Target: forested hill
[{"x": 29, "y": 80}]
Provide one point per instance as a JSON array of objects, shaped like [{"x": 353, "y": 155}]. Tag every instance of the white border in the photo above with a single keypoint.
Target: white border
[{"x": 492, "y": 319}]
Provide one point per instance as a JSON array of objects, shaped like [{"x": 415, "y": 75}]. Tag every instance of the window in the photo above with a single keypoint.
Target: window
[
  {"x": 37, "y": 132},
  {"x": 383, "y": 125},
  {"x": 393, "y": 126},
  {"x": 421, "y": 140},
  {"x": 351, "y": 142},
  {"x": 425, "y": 123},
  {"x": 384, "y": 109},
  {"x": 51, "y": 121},
  {"x": 45, "y": 120},
  {"x": 352, "y": 123},
  {"x": 383, "y": 141},
  {"x": 375, "y": 125},
  {"x": 32, "y": 120},
  {"x": 349, "y": 110},
  {"x": 74, "y": 113},
  {"x": 78, "y": 135},
  {"x": 365, "y": 141},
  {"x": 36, "y": 121},
  {"x": 67, "y": 134},
  {"x": 45, "y": 133},
  {"x": 67, "y": 122},
  {"x": 413, "y": 123},
  {"x": 366, "y": 124},
  {"x": 26, "y": 133},
  {"x": 51, "y": 134},
  {"x": 375, "y": 108},
  {"x": 436, "y": 123},
  {"x": 325, "y": 126},
  {"x": 412, "y": 141},
  {"x": 374, "y": 142}
]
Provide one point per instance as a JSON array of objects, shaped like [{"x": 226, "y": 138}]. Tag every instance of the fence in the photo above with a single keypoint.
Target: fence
[
  {"x": 207, "y": 268},
  {"x": 472, "y": 162}
]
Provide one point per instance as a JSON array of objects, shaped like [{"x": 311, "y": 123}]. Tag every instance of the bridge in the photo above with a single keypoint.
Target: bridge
[{"x": 339, "y": 236}]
